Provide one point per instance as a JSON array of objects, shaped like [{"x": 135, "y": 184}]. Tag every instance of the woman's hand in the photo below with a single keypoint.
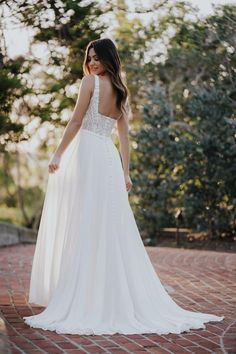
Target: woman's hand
[
  {"x": 54, "y": 163},
  {"x": 128, "y": 183}
]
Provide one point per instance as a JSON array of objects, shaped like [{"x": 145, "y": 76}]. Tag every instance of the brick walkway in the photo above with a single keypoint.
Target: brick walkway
[{"x": 202, "y": 281}]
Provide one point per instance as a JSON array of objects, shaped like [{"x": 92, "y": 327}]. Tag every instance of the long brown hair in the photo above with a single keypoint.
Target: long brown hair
[{"x": 108, "y": 55}]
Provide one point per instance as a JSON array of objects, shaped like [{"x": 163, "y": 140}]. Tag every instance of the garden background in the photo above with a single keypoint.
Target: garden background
[{"x": 180, "y": 68}]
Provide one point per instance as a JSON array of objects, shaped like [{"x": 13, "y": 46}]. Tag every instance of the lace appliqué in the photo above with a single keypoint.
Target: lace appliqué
[{"x": 93, "y": 120}]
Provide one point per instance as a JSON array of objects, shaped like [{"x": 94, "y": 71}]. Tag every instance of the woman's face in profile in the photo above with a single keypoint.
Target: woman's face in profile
[{"x": 94, "y": 64}]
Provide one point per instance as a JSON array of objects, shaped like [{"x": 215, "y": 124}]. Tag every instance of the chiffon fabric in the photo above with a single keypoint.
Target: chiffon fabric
[{"x": 90, "y": 269}]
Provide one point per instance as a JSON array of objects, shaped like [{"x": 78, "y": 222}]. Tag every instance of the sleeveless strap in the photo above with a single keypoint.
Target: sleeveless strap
[
  {"x": 96, "y": 92},
  {"x": 96, "y": 87}
]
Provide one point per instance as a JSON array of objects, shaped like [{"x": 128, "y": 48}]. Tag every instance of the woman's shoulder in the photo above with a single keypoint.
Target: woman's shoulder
[
  {"x": 88, "y": 79},
  {"x": 87, "y": 82}
]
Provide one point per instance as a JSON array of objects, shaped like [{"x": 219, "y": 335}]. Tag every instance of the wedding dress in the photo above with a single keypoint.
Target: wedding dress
[{"x": 90, "y": 268}]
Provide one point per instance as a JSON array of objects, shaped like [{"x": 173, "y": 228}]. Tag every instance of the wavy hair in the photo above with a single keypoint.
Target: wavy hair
[{"x": 107, "y": 54}]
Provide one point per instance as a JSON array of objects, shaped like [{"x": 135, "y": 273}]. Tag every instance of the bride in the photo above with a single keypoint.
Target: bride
[{"x": 90, "y": 270}]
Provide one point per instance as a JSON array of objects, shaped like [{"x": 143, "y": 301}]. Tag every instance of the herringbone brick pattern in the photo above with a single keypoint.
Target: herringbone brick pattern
[{"x": 202, "y": 281}]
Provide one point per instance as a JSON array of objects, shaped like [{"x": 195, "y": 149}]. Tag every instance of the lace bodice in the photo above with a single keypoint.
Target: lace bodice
[{"x": 95, "y": 121}]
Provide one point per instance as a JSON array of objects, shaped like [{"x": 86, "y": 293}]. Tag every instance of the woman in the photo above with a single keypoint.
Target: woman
[{"x": 90, "y": 269}]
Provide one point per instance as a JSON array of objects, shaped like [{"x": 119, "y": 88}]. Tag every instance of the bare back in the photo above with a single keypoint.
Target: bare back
[{"x": 107, "y": 99}]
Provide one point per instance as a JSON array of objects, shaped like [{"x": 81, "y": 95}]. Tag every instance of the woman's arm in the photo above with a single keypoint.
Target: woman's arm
[
  {"x": 81, "y": 106},
  {"x": 74, "y": 124},
  {"x": 123, "y": 133}
]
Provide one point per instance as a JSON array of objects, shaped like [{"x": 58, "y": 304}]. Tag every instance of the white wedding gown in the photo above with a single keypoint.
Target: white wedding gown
[{"x": 90, "y": 268}]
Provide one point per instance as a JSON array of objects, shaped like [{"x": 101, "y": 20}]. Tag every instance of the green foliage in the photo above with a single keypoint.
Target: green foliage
[
  {"x": 22, "y": 192},
  {"x": 65, "y": 28},
  {"x": 211, "y": 196},
  {"x": 11, "y": 215},
  {"x": 180, "y": 70},
  {"x": 186, "y": 145},
  {"x": 11, "y": 88},
  {"x": 191, "y": 167},
  {"x": 151, "y": 165}
]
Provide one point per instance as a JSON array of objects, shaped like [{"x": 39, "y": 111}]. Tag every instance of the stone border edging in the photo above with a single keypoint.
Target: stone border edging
[{"x": 12, "y": 234}]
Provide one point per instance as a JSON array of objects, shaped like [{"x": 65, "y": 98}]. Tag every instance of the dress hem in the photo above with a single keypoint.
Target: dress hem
[{"x": 93, "y": 331}]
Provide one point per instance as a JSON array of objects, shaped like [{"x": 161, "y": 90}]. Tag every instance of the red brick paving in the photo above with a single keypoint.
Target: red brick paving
[{"x": 202, "y": 281}]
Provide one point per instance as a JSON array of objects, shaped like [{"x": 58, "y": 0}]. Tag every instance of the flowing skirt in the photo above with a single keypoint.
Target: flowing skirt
[{"x": 90, "y": 268}]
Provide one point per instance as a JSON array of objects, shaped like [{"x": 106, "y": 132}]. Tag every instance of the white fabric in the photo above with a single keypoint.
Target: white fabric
[{"x": 90, "y": 268}]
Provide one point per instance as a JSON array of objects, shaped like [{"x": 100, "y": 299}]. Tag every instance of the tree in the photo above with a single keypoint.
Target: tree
[
  {"x": 39, "y": 90},
  {"x": 186, "y": 148}
]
